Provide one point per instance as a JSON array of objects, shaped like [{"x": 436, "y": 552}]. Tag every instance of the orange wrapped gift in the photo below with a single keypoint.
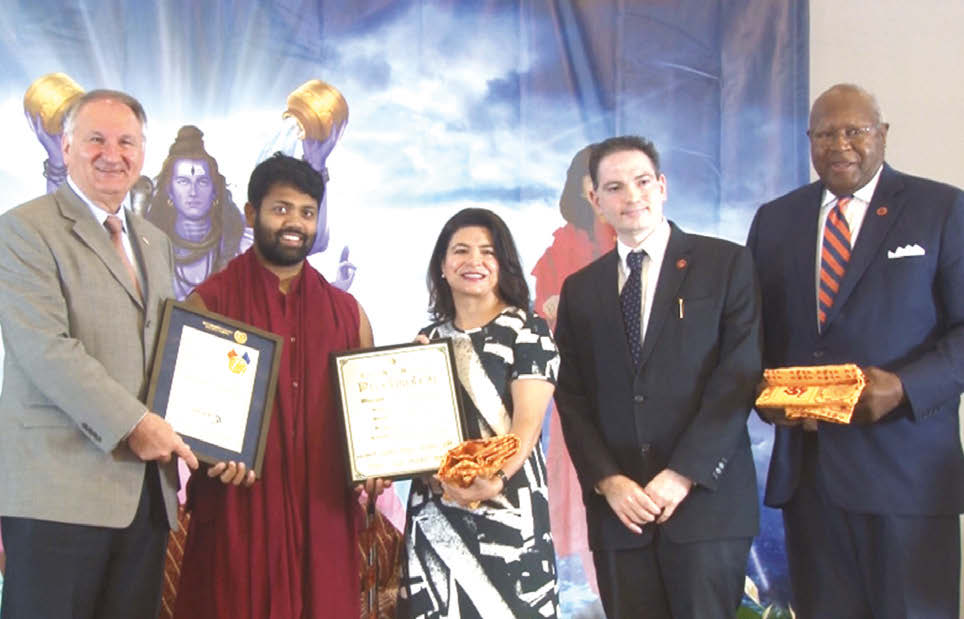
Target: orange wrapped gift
[
  {"x": 823, "y": 392},
  {"x": 477, "y": 457}
]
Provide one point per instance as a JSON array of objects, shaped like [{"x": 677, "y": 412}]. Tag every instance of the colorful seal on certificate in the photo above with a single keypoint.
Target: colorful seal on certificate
[{"x": 238, "y": 363}]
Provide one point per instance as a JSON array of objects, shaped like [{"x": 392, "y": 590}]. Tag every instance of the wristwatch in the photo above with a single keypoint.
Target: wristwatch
[{"x": 501, "y": 475}]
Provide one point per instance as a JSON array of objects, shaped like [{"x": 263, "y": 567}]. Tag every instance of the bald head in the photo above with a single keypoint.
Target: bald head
[
  {"x": 847, "y": 138},
  {"x": 847, "y": 91}
]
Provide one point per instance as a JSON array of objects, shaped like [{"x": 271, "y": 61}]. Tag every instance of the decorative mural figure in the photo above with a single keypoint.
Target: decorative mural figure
[
  {"x": 194, "y": 207},
  {"x": 584, "y": 238},
  {"x": 315, "y": 118},
  {"x": 44, "y": 103}
]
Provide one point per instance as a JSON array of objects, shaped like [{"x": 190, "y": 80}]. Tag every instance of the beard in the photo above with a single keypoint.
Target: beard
[{"x": 272, "y": 250}]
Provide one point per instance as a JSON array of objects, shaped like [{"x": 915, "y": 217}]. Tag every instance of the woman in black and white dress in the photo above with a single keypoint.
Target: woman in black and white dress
[{"x": 496, "y": 560}]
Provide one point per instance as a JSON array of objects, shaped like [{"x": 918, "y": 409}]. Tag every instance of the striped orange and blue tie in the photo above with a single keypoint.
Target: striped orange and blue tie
[{"x": 834, "y": 256}]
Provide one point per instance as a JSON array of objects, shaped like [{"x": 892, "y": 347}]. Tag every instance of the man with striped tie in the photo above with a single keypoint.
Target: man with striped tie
[{"x": 866, "y": 266}]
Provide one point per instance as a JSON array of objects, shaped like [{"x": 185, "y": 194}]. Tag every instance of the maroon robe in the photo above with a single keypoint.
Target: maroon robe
[{"x": 284, "y": 548}]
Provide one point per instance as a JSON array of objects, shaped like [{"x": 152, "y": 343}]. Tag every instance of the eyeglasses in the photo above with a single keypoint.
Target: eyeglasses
[{"x": 850, "y": 134}]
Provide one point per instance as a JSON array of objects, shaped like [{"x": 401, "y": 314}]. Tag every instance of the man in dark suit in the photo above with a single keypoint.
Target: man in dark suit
[
  {"x": 866, "y": 266},
  {"x": 86, "y": 509},
  {"x": 660, "y": 357}
]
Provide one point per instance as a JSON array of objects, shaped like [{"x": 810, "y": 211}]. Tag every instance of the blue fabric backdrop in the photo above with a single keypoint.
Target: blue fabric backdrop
[{"x": 451, "y": 104}]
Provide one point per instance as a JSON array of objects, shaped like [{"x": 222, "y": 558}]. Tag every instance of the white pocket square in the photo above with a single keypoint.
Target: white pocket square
[{"x": 906, "y": 251}]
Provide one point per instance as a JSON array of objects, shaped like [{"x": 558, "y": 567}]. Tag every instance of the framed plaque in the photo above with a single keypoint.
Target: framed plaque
[
  {"x": 214, "y": 381},
  {"x": 400, "y": 408}
]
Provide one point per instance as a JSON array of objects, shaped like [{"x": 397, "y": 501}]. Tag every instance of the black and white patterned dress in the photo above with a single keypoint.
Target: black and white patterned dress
[{"x": 496, "y": 561}]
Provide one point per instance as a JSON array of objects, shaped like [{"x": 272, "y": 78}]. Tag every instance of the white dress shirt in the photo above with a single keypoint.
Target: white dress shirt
[
  {"x": 655, "y": 247},
  {"x": 856, "y": 210}
]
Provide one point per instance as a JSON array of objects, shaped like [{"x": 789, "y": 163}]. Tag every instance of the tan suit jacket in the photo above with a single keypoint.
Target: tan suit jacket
[{"x": 78, "y": 345}]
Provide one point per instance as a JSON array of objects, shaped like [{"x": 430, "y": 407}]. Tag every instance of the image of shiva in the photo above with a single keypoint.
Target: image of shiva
[{"x": 193, "y": 206}]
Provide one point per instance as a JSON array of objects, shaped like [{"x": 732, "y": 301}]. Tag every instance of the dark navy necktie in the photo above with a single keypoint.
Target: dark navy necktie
[{"x": 631, "y": 302}]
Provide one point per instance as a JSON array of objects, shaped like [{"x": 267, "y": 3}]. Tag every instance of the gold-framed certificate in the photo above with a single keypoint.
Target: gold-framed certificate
[
  {"x": 214, "y": 381},
  {"x": 400, "y": 408}
]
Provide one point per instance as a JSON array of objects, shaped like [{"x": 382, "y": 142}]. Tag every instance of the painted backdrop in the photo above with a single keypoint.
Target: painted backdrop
[{"x": 450, "y": 104}]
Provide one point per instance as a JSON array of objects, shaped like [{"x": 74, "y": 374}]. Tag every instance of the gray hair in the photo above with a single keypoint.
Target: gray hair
[{"x": 70, "y": 116}]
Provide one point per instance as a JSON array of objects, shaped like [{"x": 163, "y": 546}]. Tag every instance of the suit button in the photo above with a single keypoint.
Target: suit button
[
  {"x": 147, "y": 324},
  {"x": 644, "y": 449},
  {"x": 818, "y": 354},
  {"x": 639, "y": 399}
]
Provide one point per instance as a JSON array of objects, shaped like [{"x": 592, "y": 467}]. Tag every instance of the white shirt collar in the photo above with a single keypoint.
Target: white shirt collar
[
  {"x": 864, "y": 194},
  {"x": 654, "y": 245},
  {"x": 100, "y": 214}
]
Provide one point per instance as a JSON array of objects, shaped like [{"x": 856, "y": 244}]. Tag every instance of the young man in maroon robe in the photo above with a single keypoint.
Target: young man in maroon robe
[{"x": 282, "y": 546}]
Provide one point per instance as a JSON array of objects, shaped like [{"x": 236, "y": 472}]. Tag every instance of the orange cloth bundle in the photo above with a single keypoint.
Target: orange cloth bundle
[
  {"x": 823, "y": 392},
  {"x": 483, "y": 456}
]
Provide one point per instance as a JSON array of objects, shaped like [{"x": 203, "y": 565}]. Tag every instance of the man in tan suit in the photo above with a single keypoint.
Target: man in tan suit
[{"x": 87, "y": 473}]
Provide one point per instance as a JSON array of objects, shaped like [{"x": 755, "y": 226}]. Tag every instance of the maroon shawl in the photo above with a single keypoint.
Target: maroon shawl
[{"x": 286, "y": 547}]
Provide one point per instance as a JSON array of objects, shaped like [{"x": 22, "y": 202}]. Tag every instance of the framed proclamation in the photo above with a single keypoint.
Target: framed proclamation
[
  {"x": 214, "y": 381},
  {"x": 400, "y": 407}
]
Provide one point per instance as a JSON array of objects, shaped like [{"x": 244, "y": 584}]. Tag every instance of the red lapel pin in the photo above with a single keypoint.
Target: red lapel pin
[
  {"x": 681, "y": 264},
  {"x": 882, "y": 211}
]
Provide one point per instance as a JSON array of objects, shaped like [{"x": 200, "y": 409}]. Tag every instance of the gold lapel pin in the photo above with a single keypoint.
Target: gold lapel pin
[
  {"x": 681, "y": 264},
  {"x": 881, "y": 211}
]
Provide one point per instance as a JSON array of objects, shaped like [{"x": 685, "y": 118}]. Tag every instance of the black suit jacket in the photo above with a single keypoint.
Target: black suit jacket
[
  {"x": 686, "y": 407},
  {"x": 900, "y": 307}
]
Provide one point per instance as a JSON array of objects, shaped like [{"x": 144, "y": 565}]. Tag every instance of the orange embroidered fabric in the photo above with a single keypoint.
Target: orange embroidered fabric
[
  {"x": 382, "y": 539},
  {"x": 483, "y": 456},
  {"x": 823, "y": 392}
]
